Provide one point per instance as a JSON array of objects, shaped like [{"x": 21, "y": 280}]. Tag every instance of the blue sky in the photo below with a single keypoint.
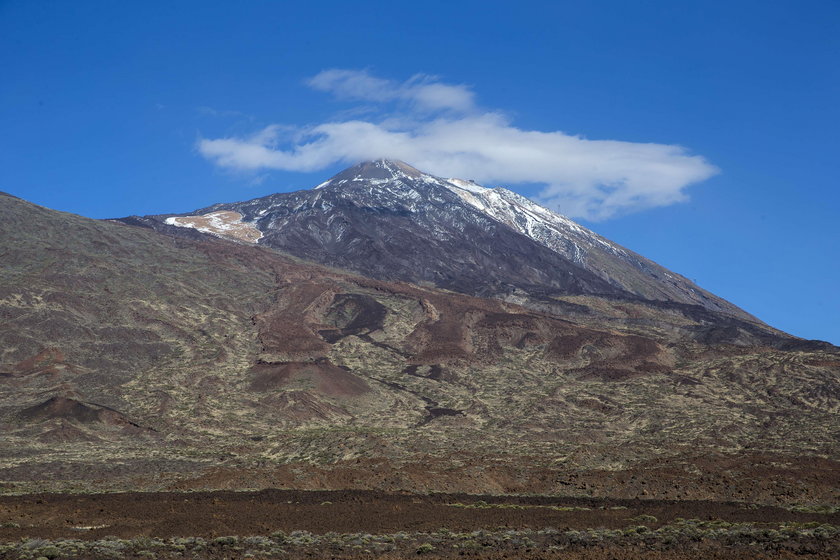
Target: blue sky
[{"x": 700, "y": 134}]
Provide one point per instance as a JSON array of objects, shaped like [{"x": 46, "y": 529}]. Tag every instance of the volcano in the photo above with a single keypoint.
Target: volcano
[{"x": 391, "y": 330}]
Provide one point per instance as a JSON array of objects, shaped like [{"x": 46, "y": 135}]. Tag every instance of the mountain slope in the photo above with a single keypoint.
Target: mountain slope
[
  {"x": 136, "y": 360},
  {"x": 615, "y": 264},
  {"x": 387, "y": 220}
]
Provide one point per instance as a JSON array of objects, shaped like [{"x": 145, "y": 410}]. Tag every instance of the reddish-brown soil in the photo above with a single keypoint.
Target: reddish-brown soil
[
  {"x": 325, "y": 377},
  {"x": 210, "y": 514},
  {"x": 756, "y": 478}
]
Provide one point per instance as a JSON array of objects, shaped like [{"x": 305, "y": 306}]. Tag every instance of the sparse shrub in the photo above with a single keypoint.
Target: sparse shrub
[
  {"x": 636, "y": 530},
  {"x": 425, "y": 548},
  {"x": 826, "y": 532},
  {"x": 822, "y": 509},
  {"x": 470, "y": 544},
  {"x": 257, "y": 542},
  {"x": 280, "y": 537},
  {"x": 573, "y": 536},
  {"x": 302, "y": 538},
  {"x": 225, "y": 541},
  {"x": 34, "y": 544},
  {"x": 50, "y": 552},
  {"x": 108, "y": 548},
  {"x": 145, "y": 543},
  {"x": 527, "y": 542}
]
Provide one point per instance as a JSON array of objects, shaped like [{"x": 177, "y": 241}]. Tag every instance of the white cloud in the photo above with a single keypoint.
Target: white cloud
[
  {"x": 421, "y": 91},
  {"x": 438, "y": 129}
]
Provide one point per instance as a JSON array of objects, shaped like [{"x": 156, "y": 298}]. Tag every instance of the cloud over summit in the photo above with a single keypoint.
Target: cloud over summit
[{"x": 438, "y": 127}]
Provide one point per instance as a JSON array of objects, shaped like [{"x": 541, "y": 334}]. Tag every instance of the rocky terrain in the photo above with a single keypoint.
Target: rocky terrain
[{"x": 136, "y": 360}]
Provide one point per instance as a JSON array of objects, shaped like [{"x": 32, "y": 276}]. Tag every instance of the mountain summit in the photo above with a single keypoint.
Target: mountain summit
[{"x": 377, "y": 170}]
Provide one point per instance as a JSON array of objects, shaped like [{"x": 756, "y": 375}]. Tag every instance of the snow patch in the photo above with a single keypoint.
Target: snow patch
[
  {"x": 471, "y": 186},
  {"x": 223, "y": 223}
]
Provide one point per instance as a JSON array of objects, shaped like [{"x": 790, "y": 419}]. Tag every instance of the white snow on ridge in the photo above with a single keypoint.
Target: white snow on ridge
[
  {"x": 553, "y": 230},
  {"x": 471, "y": 186}
]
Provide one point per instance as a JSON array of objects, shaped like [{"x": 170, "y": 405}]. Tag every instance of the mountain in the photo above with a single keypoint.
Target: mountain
[
  {"x": 135, "y": 360},
  {"x": 387, "y": 220}
]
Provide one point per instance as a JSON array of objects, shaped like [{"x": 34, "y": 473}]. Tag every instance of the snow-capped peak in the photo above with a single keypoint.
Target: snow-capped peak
[
  {"x": 421, "y": 227},
  {"x": 376, "y": 172},
  {"x": 544, "y": 226}
]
